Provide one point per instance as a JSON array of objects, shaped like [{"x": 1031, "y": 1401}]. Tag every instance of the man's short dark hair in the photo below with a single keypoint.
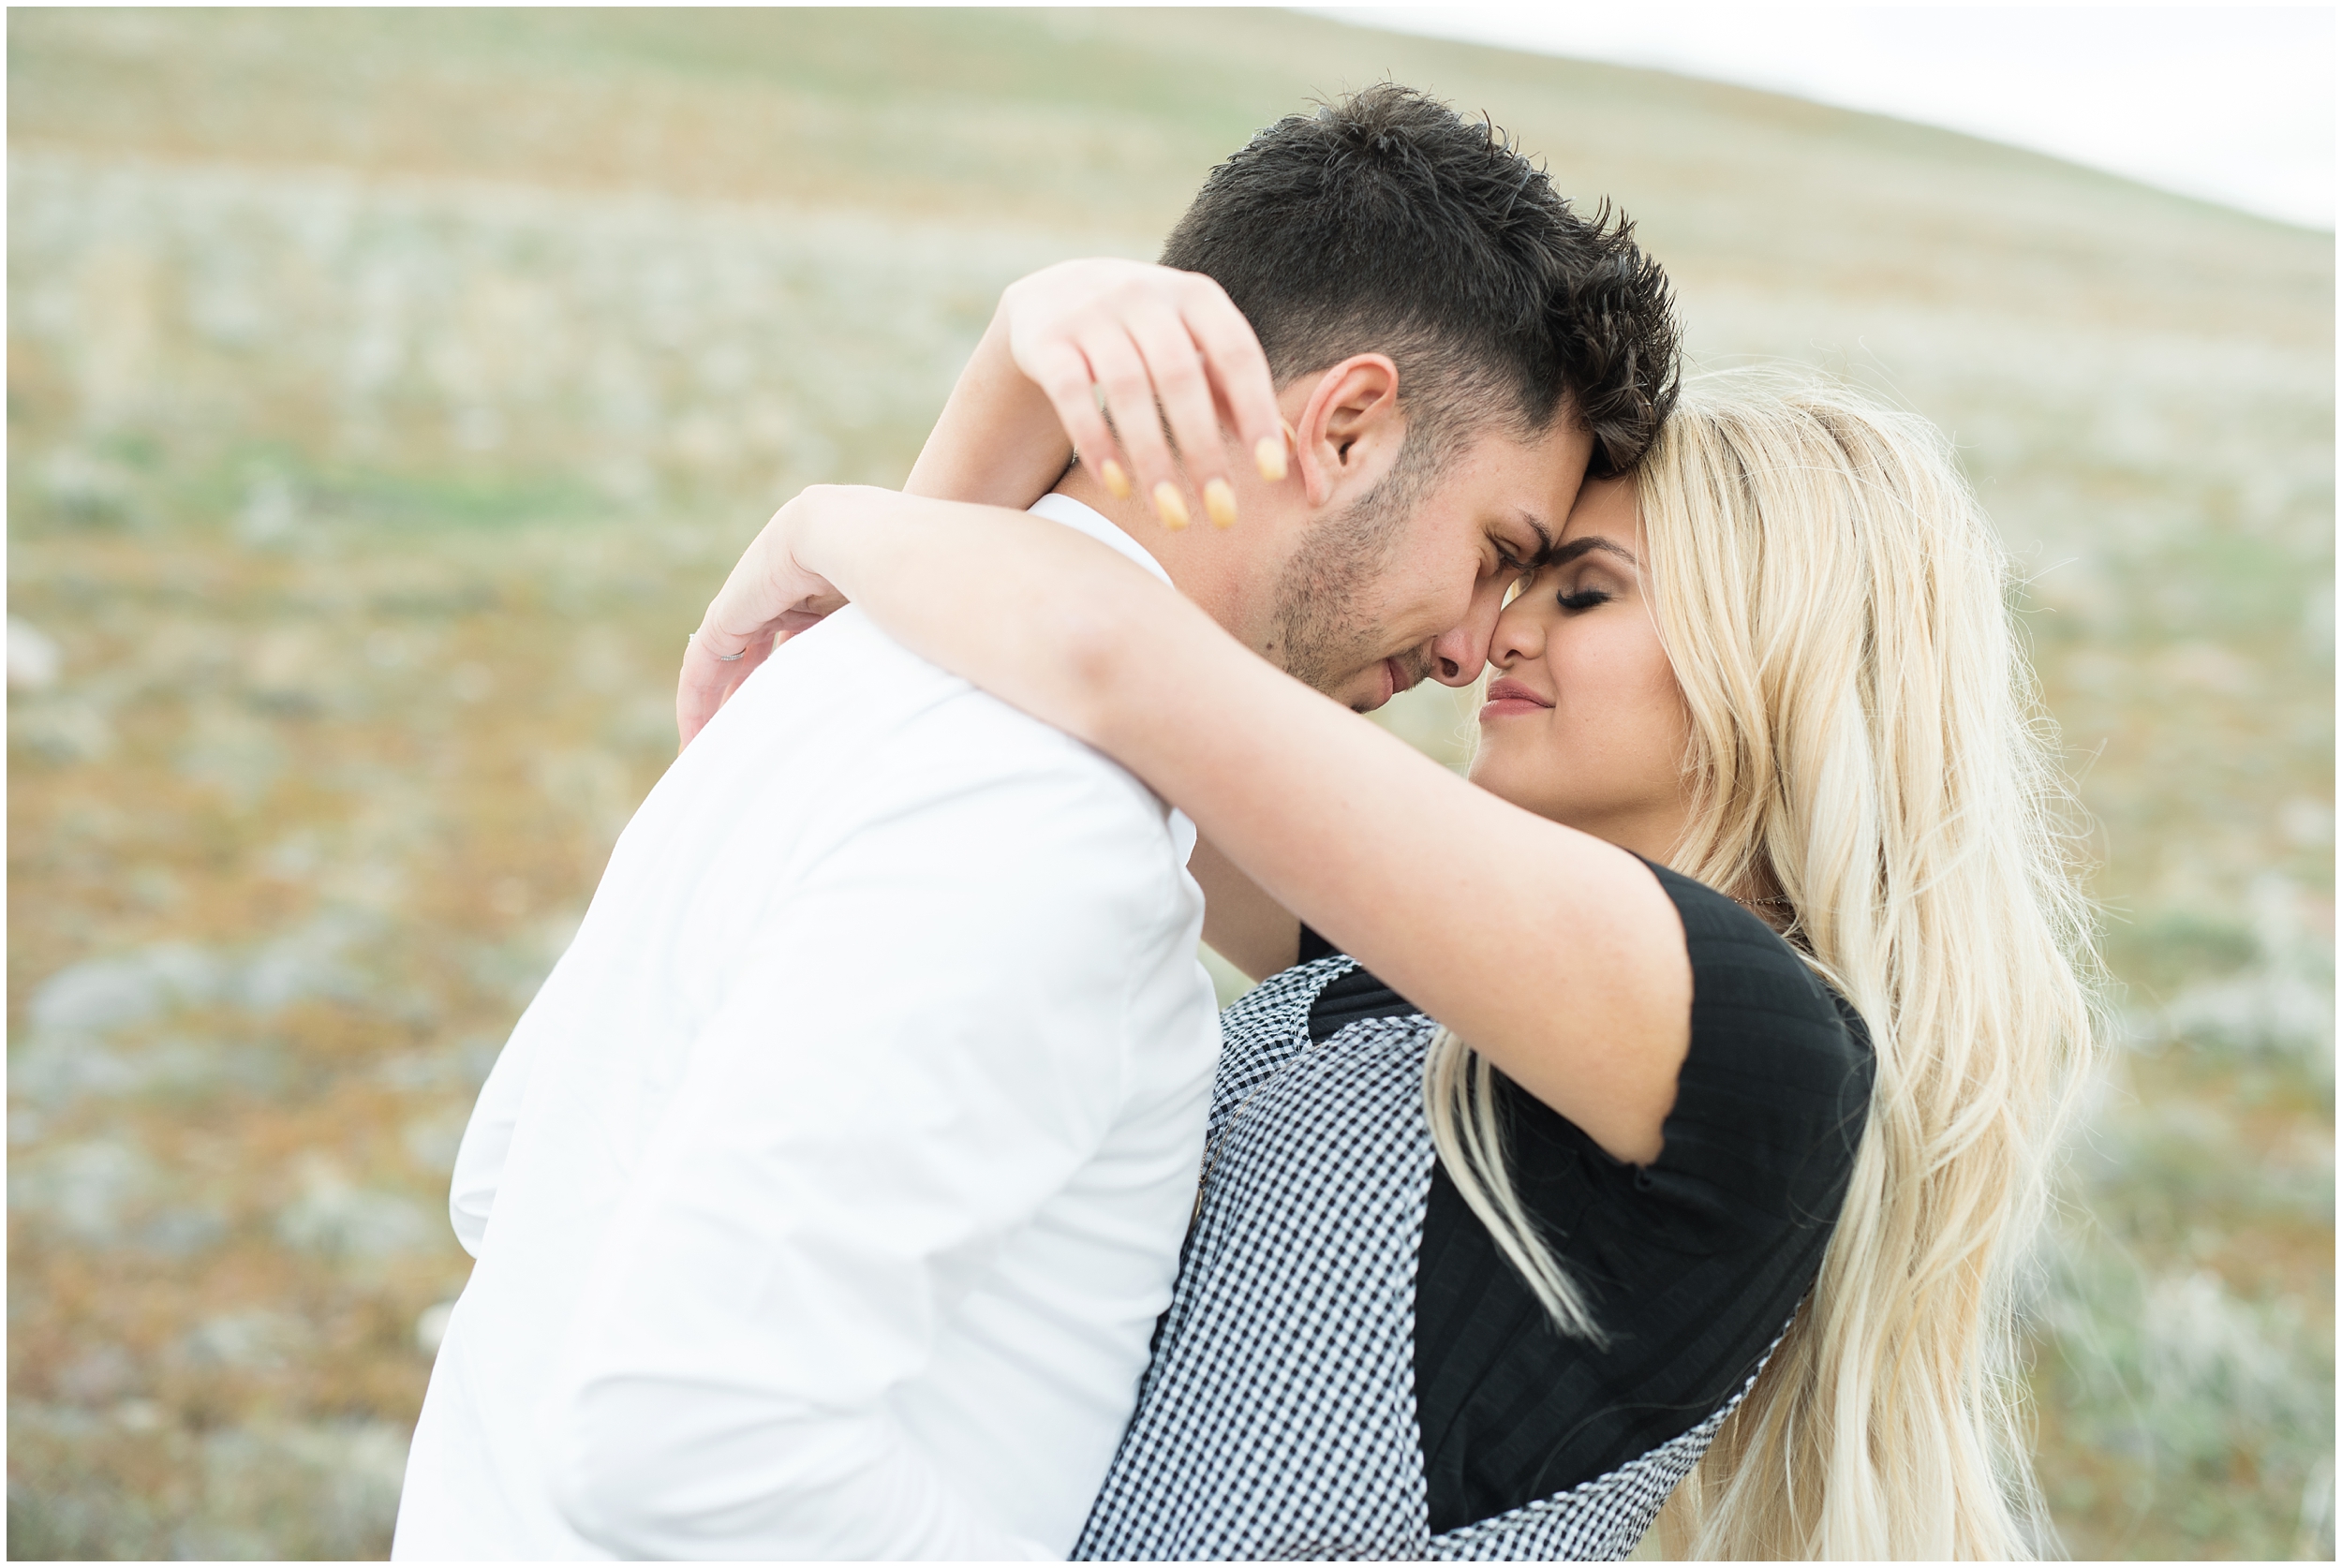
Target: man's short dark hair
[{"x": 1386, "y": 223}]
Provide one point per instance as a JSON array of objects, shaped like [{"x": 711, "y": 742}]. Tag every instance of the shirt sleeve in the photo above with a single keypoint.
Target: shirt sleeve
[
  {"x": 488, "y": 1139},
  {"x": 928, "y": 1043}
]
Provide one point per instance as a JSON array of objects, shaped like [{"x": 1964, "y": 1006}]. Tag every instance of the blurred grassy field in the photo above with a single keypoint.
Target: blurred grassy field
[{"x": 388, "y": 391}]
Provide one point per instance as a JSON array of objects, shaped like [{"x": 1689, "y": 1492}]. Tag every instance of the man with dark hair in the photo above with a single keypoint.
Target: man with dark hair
[
  {"x": 827, "y": 1196},
  {"x": 1388, "y": 222},
  {"x": 1452, "y": 349},
  {"x": 1385, "y": 226}
]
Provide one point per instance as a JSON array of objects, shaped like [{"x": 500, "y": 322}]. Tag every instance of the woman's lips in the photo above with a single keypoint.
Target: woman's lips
[{"x": 1511, "y": 697}]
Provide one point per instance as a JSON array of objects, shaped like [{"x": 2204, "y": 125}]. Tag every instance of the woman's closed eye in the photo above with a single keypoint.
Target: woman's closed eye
[{"x": 1584, "y": 599}]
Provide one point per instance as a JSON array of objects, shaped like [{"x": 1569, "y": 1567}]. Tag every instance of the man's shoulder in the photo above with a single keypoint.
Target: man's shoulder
[
  {"x": 847, "y": 705},
  {"x": 844, "y": 677}
]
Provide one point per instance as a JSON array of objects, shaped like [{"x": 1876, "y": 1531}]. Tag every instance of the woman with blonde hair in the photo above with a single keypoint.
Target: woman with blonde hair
[{"x": 1753, "y": 957}]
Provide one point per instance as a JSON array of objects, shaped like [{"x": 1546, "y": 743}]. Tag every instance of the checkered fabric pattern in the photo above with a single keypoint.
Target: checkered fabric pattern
[
  {"x": 1278, "y": 1419},
  {"x": 1261, "y": 1030},
  {"x": 1599, "y": 1520}
]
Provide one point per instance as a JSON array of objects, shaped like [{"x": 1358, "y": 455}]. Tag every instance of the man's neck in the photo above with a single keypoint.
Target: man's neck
[
  {"x": 1222, "y": 572},
  {"x": 1134, "y": 517}
]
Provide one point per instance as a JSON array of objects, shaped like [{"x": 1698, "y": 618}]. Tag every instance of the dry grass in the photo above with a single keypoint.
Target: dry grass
[{"x": 388, "y": 391}]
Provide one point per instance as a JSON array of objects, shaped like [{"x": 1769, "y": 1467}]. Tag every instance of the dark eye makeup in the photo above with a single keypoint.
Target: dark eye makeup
[{"x": 1584, "y": 598}]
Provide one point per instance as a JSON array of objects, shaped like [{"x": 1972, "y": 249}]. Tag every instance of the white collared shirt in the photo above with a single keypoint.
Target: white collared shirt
[{"x": 825, "y": 1197}]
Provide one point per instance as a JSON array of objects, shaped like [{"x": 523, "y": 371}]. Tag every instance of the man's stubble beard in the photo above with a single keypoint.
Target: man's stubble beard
[{"x": 1322, "y": 632}]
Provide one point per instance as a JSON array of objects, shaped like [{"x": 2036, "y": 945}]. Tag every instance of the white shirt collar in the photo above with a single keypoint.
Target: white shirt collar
[{"x": 1088, "y": 520}]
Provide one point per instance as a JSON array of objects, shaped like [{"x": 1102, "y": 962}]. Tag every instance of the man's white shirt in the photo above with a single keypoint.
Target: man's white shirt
[{"x": 825, "y": 1197}]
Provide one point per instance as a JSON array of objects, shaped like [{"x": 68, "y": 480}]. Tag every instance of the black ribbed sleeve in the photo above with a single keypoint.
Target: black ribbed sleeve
[{"x": 1692, "y": 1263}]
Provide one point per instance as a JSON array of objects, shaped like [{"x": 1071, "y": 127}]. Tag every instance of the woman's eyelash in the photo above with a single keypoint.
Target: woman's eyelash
[{"x": 1584, "y": 598}]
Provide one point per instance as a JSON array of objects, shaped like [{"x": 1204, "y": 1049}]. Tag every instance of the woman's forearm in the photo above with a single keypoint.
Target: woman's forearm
[
  {"x": 998, "y": 441},
  {"x": 1037, "y": 614}
]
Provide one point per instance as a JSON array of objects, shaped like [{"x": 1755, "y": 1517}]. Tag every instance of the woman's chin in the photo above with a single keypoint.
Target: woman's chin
[
  {"x": 1522, "y": 787},
  {"x": 1495, "y": 773}
]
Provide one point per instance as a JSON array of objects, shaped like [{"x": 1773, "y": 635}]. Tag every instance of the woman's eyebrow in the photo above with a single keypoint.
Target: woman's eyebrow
[{"x": 1578, "y": 547}]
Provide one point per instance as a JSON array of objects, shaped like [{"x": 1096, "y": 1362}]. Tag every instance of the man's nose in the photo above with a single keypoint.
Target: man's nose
[
  {"x": 1458, "y": 654},
  {"x": 1462, "y": 652}
]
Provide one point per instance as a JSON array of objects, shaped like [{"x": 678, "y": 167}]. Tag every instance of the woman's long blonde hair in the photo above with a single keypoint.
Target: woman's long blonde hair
[{"x": 1867, "y": 738}]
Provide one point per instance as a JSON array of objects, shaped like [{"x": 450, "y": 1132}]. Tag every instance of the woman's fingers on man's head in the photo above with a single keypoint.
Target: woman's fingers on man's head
[
  {"x": 1238, "y": 370},
  {"x": 1123, "y": 372},
  {"x": 1148, "y": 375},
  {"x": 1182, "y": 386},
  {"x": 1062, "y": 373}
]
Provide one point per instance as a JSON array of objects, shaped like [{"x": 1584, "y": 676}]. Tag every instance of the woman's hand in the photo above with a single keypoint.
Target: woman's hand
[
  {"x": 769, "y": 597},
  {"x": 1149, "y": 336}
]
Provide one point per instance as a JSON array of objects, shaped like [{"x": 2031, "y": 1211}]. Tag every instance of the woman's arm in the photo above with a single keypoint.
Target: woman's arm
[
  {"x": 997, "y": 442},
  {"x": 1556, "y": 955}
]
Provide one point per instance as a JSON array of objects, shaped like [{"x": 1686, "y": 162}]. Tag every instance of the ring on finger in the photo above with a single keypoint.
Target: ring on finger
[{"x": 720, "y": 658}]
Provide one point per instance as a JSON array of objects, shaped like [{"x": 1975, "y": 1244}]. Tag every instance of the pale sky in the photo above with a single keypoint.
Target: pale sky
[{"x": 2231, "y": 103}]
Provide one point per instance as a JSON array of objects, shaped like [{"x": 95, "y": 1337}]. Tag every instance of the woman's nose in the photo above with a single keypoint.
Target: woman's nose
[{"x": 1519, "y": 633}]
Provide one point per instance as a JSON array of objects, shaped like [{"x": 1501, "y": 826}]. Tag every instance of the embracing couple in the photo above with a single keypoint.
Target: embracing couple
[{"x": 1657, "y": 1118}]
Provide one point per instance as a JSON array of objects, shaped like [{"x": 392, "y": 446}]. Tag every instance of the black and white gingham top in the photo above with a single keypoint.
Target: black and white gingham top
[
  {"x": 1281, "y": 1414},
  {"x": 1278, "y": 1419}
]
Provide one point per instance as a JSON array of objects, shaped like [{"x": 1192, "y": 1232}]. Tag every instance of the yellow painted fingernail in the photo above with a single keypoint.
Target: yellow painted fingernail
[
  {"x": 1118, "y": 482},
  {"x": 1169, "y": 506},
  {"x": 1270, "y": 455},
  {"x": 1219, "y": 504}
]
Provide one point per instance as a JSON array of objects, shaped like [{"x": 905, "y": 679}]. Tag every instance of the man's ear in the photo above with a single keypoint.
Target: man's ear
[{"x": 1350, "y": 425}]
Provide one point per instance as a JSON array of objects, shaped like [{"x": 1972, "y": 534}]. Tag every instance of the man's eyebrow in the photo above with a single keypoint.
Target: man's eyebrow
[
  {"x": 1538, "y": 527},
  {"x": 1578, "y": 547}
]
